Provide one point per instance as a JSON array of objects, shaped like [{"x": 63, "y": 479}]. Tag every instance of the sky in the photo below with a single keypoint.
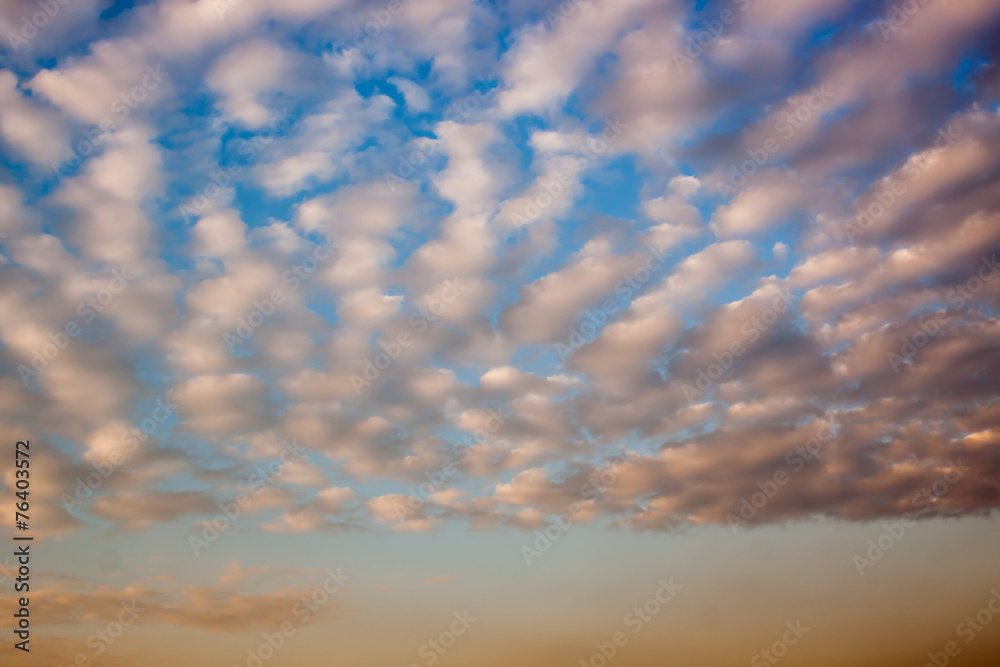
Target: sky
[{"x": 443, "y": 332}]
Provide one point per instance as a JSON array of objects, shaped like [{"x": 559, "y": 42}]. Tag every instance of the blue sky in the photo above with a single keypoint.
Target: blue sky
[{"x": 702, "y": 233}]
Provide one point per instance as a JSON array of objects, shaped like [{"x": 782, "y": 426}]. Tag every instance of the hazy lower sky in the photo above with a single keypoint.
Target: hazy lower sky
[{"x": 601, "y": 333}]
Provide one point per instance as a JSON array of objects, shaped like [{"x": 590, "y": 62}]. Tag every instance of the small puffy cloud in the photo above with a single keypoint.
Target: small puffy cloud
[
  {"x": 222, "y": 405},
  {"x": 416, "y": 97},
  {"x": 244, "y": 74}
]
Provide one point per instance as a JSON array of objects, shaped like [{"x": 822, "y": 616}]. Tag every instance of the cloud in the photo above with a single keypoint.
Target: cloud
[
  {"x": 415, "y": 96},
  {"x": 33, "y": 130},
  {"x": 548, "y": 63},
  {"x": 850, "y": 275},
  {"x": 245, "y": 73},
  {"x": 218, "y": 608},
  {"x": 222, "y": 405}
]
